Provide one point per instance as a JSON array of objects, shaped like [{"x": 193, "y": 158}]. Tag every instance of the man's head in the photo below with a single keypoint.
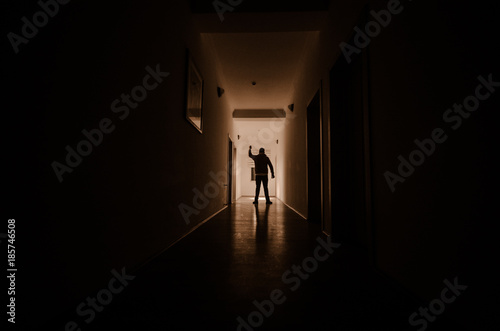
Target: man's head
[{"x": 262, "y": 150}]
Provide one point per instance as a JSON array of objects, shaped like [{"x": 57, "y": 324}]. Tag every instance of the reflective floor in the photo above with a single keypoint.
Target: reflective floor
[{"x": 236, "y": 272}]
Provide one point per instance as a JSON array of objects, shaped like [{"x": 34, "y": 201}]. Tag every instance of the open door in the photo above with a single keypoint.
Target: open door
[{"x": 230, "y": 176}]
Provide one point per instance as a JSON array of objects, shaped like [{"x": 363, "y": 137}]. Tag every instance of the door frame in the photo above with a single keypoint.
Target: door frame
[
  {"x": 230, "y": 169},
  {"x": 319, "y": 115},
  {"x": 367, "y": 165}
]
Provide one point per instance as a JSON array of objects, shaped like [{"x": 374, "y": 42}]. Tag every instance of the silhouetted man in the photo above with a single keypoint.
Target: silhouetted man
[{"x": 261, "y": 162}]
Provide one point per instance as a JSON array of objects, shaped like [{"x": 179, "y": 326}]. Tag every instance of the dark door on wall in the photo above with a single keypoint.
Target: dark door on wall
[
  {"x": 348, "y": 150},
  {"x": 233, "y": 174},
  {"x": 230, "y": 161},
  {"x": 314, "y": 196}
]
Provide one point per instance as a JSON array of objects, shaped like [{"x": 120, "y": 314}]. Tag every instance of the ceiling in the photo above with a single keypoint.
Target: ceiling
[
  {"x": 263, "y": 42},
  {"x": 271, "y": 60}
]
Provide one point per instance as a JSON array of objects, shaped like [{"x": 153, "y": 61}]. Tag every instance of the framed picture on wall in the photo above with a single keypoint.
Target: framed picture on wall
[{"x": 194, "y": 102}]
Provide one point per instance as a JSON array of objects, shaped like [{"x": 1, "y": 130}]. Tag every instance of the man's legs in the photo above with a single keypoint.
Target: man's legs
[
  {"x": 258, "y": 180},
  {"x": 265, "y": 180}
]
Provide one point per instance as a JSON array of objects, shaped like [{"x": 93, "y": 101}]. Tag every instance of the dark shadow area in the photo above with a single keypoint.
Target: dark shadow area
[{"x": 347, "y": 151}]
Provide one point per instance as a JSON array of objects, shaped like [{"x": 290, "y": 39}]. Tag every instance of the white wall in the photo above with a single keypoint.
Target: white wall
[{"x": 257, "y": 133}]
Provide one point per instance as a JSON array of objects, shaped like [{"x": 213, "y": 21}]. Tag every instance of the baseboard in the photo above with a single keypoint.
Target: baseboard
[
  {"x": 294, "y": 210},
  {"x": 149, "y": 260}
]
